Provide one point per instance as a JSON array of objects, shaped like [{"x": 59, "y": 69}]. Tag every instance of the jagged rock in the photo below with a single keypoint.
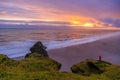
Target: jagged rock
[
  {"x": 38, "y": 49},
  {"x": 88, "y": 67},
  {"x": 40, "y": 59}
]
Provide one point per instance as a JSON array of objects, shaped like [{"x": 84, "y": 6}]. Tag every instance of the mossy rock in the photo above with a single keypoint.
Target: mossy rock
[
  {"x": 39, "y": 48},
  {"x": 31, "y": 64},
  {"x": 37, "y": 65},
  {"x": 3, "y": 58},
  {"x": 43, "y": 68},
  {"x": 35, "y": 55},
  {"x": 6, "y": 61},
  {"x": 113, "y": 72},
  {"x": 41, "y": 61},
  {"x": 88, "y": 67}
]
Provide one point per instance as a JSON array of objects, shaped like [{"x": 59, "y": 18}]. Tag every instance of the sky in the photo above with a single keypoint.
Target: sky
[{"x": 76, "y": 13}]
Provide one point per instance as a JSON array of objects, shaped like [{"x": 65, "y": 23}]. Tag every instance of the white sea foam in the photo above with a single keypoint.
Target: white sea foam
[
  {"x": 54, "y": 44},
  {"x": 17, "y": 49}
]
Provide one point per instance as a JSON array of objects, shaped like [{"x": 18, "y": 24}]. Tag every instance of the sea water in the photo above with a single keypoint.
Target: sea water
[{"x": 17, "y": 42}]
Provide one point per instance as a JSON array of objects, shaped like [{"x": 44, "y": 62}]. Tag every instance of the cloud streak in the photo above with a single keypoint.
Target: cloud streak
[{"x": 98, "y": 12}]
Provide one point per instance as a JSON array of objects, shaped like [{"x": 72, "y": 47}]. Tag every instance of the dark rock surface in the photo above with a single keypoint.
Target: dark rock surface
[{"x": 38, "y": 49}]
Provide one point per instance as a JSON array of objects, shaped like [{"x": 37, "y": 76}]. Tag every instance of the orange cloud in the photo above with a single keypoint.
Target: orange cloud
[{"x": 47, "y": 12}]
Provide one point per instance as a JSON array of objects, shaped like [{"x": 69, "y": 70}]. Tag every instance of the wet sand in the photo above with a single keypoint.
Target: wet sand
[{"x": 108, "y": 48}]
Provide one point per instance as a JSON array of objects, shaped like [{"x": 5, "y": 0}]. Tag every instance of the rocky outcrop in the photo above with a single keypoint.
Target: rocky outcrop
[
  {"x": 88, "y": 67},
  {"x": 38, "y": 66},
  {"x": 36, "y": 61},
  {"x": 45, "y": 68},
  {"x": 37, "y": 50},
  {"x": 39, "y": 54}
]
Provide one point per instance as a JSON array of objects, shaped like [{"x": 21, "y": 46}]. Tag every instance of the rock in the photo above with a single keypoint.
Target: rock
[
  {"x": 88, "y": 67},
  {"x": 38, "y": 49},
  {"x": 27, "y": 65},
  {"x": 31, "y": 64},
  {"x": 35, "y": 55},
  {"x": 40, "y": 59}
]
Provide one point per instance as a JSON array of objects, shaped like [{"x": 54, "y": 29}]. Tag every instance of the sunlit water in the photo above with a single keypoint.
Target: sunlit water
[{"x": 16, "y": 42}]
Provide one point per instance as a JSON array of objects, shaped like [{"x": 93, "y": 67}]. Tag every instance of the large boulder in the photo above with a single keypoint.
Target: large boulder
[
  {"x": 88, "y": 67},
  {"x": 38, "y": 49}
]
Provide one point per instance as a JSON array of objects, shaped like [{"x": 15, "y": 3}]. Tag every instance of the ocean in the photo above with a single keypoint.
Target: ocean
[{"x": 17, "y": 42}]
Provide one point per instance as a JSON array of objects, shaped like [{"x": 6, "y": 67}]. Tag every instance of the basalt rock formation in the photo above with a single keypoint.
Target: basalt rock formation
[{"x": 37, "y": 50}]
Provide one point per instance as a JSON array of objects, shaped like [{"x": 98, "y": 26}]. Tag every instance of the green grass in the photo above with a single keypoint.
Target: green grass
[
  {"x": 44, "y": 68},
  {"x": 50, "y": 76}
]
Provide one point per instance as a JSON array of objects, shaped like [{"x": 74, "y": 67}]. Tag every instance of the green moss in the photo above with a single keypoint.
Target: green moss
[
  {"x": 35, "y": 55},
  {"x": 88, "y": 67},
  {"x": 52, "y": 76},
  {"x": 45, "y": 68},
  {"x": 113, "y": 73},
  {"x": 41, "y": 64},
  {"x": 26, "y": 66},
  {"x": 5, "y": 60}
]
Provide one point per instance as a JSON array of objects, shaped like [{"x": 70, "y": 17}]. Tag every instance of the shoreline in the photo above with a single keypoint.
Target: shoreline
[
  {"x": 81, "y": 41},
  {"x": 74, "y": 43},
  {"x": 107, "y": 47},
  {"x": 21, "y": 48}
]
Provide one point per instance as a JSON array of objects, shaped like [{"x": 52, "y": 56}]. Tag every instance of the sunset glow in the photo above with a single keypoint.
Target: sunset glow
[
  {"x": 84, "y": 13},
  {"x": 75, "y": 22},
  {"x": 88, "y": 25}
]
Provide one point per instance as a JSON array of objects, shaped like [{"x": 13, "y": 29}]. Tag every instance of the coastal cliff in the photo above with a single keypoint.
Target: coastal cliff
[{"x": 37, "y": 65}]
